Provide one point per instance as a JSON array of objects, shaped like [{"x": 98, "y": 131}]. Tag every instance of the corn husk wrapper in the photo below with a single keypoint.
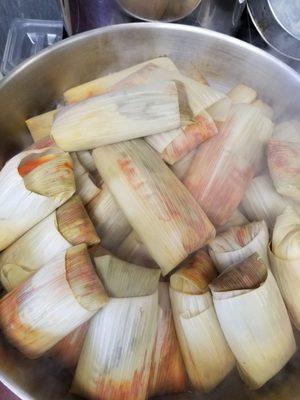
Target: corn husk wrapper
[
  {"x": 193, "y": 134},
  {"x": 116, "y": 357},
  {"x": 284, "y": 159},
  {"x": 86, "y": 188},
  {"x": 264, "y": 108},
  {"x": 32, "y": 185},
  {"x": 168, "y": 373},
  {"x": 68, "y": 226},
  {"x": 262, "y": 201},
  {"x": 224, "y": 165},
  {"x": 109, "y": 220},
  {"x": 220, "y": 110},
  {"x": 284, "y": 258},
  {"x": 181, "y": 167},
  {"x": 238, "y": 243},
  {"x": 122, "y": 279},
  {"x": 79, "y": 169},
  {"x": 254, "y": 320},
  {"x": 134, "y": 251},
  {"x": 206, "y": 354},
  {"x": 68, "y": 350},
  {"x": 60, "y": 297},
  {"x": 86, "y": 159},
  {"x": 242, "y": 94},
  {"x": 237, "y": 219},
  {"x": 46, "y": 141},
  {"x": 118, "y": 116},
  {"x": 40, "y": 126},
  {"x": 104, "y": 84},
  {"x": 160, "y": 209}
]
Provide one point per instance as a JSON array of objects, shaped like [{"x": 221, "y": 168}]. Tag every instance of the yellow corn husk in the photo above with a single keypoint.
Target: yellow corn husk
[
  {"x": 194, "y": 133},
  {"x": 32, "y": 185},
  {"x": 86, "y": 159},
  {"x": 113, "y": 117},
  {"x": 46, "y": 141},
  {"x": 264, "y": 108},
  {"x": 194, "y": 278},
  {"x": 68, "y": 350},
  {"x": 206, "y": 354},
  {"x": 254, "y": 320},
  {"x": 242, "y": 94},
  {"x": 122, "y": 279},
  {"x": 284, "y": 159},
  {"x": 220, "y": 110},
  {"x": 40, "y": 126},
  {"x": 109, "y": 220},
  {"x": 68, "y": 226},
  {"x": 78, "y": 168},
  {"x": 160, "y": 209},
  {"x": 104, "y": 84},
  {"x": 237, "y": 219},
  {"x": 238, "y": 243},
  {"x": 60, "y": 297},
  {"x": 262, "y": 201},
  {"x": 168, "y": 373},
  {"x": 87, "y": 188},
  {"x": 181, "y": 167},
  {"x": 224, "y": 165},
  {"x": 147, "y": 10},
  {"x": 134, "y": 251},
  {"x": 284, "y": 257},
  {"x": 116, "y": 357}
]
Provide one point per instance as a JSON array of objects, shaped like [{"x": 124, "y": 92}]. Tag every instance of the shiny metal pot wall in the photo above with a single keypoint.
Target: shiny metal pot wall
[{"x": 38, "y": 84}]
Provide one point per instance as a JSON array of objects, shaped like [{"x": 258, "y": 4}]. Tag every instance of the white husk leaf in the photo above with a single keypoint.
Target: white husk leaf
[
  {"x": 78, "y": 168},
  {"x": 34, "y": 249},
  {"x": 181, "y": 167},
  {"x": 284, "y": 257},
  {"x": 161, "y": 140},
  {"x": 283, "y": 159},
  {"x": 220, "y": 110},
  {"x": 224, "y": 165},
  {"x": 264, "y": 108},
  {"x": 238, "y": 243},
  {"x": 160, "y": 209},
  {"x": 40, "y": 126},
  {"x": 200, "y": 96},
  {"x": 134, "y": 251},
  {"x": 242, "y": 94},
  {"x": 118, "y": 116},
  {"x": 21, "y": 209},
  {"x": 263, "y": 342},
  {"x": 68, "y": 226},
  {"x": 86, "y": 188},
  {"x": 262, "y": 201},
  {"x": 33, "y": 316},
  {"x": 123, "y": 279},
  {"x": 109, "y": 220},
  {"x": 206, "y": 354},
  {"x": 105, "y": 83},
  {"x": 237, "y": 219},
  {"x": 116, "y": 357},
  {"x": 86, "y": 159},
  {"x": 168, "y": 373}
]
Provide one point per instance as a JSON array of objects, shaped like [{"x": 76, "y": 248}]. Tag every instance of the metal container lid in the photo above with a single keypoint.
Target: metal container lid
[{"x": 278, "y": 22}]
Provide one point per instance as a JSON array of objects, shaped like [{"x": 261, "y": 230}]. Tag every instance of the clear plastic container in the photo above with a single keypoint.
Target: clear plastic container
[{"x": 26, "y": 37}]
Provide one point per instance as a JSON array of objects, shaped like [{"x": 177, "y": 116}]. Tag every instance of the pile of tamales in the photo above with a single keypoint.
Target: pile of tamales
[{"x": 150, "y": 236}]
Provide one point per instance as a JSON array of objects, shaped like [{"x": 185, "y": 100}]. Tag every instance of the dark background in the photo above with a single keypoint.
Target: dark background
[{"x": 36, "y": 9}]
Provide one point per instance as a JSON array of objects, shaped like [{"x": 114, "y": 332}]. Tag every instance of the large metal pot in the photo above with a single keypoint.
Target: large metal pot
[{"x": 37, "y": 85}]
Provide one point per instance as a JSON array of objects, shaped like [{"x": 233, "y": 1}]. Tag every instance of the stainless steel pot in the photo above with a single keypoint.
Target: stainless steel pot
[{"x": 37, "y": 85}]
